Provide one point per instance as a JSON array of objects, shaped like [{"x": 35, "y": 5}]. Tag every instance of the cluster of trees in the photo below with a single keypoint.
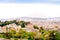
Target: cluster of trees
[
  {"x": 41, "y": 35},
  {"x": 47, "y": 34},
  {"x": 22, "y": 23},
  {"x": 7, "y": 22}
]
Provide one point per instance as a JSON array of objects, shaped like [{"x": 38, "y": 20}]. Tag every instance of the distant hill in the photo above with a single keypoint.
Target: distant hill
[{"x": 55, "y": 19}]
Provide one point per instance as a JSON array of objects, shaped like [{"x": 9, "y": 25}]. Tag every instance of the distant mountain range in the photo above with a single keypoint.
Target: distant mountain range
[{"x": 57, "y": 19}]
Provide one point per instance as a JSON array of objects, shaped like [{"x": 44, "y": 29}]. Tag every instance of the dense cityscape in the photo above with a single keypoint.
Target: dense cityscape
[{"x": 28, "y": 30}]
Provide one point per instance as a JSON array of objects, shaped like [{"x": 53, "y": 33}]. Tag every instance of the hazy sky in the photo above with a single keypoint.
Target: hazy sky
[{"x": 31, "y": 8}]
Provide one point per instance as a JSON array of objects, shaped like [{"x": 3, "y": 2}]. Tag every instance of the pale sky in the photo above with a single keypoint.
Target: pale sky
[{"x": 42, "y": 10}]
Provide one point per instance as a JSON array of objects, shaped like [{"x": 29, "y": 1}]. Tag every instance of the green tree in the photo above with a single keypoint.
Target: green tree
[
  {"x": 12, "y": 33},
  {"x": 35, "y": 27},
  {"x": 54, "y": 35}
]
